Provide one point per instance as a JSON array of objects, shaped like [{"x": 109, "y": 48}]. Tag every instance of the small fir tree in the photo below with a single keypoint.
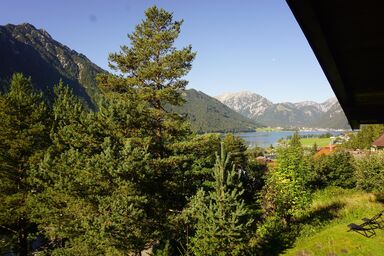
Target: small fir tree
[{"x": 221, "y": 216}]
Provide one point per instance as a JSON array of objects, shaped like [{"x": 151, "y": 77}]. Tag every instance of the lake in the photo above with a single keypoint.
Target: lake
[{"x": 265, "y": 139}]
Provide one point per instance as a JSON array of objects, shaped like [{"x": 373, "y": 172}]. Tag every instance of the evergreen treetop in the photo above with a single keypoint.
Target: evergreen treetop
[{"x": 152, "y": 62}]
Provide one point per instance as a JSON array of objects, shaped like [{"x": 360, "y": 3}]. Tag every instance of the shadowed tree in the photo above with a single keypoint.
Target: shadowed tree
[{"x": 24, "y": 136}]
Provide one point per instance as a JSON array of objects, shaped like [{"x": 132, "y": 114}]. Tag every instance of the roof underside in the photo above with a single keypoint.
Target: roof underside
[{"x": 347, "y": 38}]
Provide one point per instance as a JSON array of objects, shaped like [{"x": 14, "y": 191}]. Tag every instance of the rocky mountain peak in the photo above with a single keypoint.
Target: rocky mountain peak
[
  {"x": 242, "y": 95},
  {"x": 286, "y": 114},
  {"x": 245, "y": 102}
]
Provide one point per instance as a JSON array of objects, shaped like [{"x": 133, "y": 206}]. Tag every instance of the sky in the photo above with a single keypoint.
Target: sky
[{"x": 241, "y": 45}]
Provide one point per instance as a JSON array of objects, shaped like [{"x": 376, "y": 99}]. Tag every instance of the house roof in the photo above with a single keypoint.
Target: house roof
[
  {"x": 324, "y": 151},
  {"x": 379, "y": 142},
  {"x": 348, "y": 40}
]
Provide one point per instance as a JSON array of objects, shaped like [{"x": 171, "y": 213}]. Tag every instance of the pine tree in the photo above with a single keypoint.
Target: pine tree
[
  {"x": 112, "y": 179},
  {"x": 87, "y": 203},
  {"x": 152, "y": 63},
  {"x": 153, "y": 69},
  {"x": 152, "y": 72},
  {"x": 222, "y": 218},
  {"x": 24, "y": 137}
]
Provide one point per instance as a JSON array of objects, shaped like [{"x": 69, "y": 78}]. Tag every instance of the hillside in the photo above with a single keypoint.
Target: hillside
[
  {"x": 33, "y": 52},
  {"x": 302, "y": 114},
  {"x": 209, "y": 114}
]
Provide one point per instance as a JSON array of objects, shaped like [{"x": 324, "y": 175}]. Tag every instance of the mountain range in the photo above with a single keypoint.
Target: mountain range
[
  {"x": 33, "y": 52},
  {"x": 309, "y": 114}
]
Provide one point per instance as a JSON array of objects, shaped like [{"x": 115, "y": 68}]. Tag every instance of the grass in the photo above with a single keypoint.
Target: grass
[
  {"x": 321, "y": 142},
  {"x": 325, "y": 231}
]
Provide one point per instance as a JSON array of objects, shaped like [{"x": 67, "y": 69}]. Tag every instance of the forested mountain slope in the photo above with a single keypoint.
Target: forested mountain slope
[
  {"x": 33, "y": 52},
  {"x": 209, "y": 114}
]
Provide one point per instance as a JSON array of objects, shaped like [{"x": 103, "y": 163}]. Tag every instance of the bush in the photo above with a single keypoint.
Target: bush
[
  {"x": 336, "y": 169},
  {"x": 285, "y": 193},
  {"x": 370, "y": 172}
]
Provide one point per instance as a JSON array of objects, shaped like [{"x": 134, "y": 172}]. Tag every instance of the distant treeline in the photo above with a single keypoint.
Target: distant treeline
[{"x": 303, "y": 136}]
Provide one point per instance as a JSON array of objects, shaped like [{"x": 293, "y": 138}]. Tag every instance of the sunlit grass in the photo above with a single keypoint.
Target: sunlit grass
[
  {"x": 320, "y": 142},
  {"x": 326, "y": 231}
]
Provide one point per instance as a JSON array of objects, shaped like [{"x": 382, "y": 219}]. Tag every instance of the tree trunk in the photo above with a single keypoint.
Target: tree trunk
[{"x": 23, "y": 238}]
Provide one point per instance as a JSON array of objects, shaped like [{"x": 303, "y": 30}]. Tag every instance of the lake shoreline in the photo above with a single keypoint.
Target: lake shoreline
[{"x": 266, "y": 138}]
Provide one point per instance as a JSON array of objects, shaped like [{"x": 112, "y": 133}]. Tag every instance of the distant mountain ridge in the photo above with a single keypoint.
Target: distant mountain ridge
[
  {"x": 33, "y": 52},
  {"x": 207, "y": 114},
  {"x": 301, "y": 114}
]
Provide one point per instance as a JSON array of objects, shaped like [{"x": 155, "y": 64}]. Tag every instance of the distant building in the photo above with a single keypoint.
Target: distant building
[
  {"x": 263, "y": 160},
  {"x": 379, "y": 143},
  {"x": 324, "y": 151}
]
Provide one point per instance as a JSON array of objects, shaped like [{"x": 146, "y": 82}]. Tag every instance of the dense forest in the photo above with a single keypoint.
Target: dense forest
[{"x": 132, "y": 176}]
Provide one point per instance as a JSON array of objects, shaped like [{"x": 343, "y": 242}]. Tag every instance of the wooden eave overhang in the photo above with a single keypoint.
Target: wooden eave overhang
[{"x": 347, "y": 38}]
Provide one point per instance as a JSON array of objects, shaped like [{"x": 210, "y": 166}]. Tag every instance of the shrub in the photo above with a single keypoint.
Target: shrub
[
  {"x": 336, "y": 169},
  {"x": 285, "y": 192},
  {"x": 370, "y": 172}
]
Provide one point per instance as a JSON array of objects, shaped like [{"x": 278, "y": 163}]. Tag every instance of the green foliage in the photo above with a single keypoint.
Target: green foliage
[
  {"x": 314, "y": 149},
  {"x": 90, "y": 204},
  {"x": 273, "y": 236},
  {"x": 118, "y": 181},
  {"x": 24, "y": 136},
  {"x": 237, "y": 147},
  {"x": 198, "y": 157},
  {"x": 285, "y": 194},
  {"x": 324, "y": 229},
  {"x": 152, "y": 71},
  {"x": 336, "y": 169},
  {"x": 244, "y": 161},
  {"x": 370, "y": 172},
  {"x": 221, "y": 218},
  {"x": 253, "y": 180},
  {"x": 364, "y": 138},
  {"x": 294, "y": 142},
  {"x": 152, "y": 63}
]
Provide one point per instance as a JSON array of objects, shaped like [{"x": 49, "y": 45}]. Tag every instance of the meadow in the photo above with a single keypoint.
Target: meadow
[
  {"x": 320, "y": 142},
  {"x": 324, "y": 230}
]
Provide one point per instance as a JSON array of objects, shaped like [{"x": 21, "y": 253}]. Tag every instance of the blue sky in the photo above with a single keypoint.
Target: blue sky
[{"x": 253, "y": 45}]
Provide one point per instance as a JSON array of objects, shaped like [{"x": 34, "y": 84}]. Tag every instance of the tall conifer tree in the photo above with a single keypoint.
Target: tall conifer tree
[
  {"x": 117, "y": 171},
  {"x": 152, "y": 71},
  {"x": 24, "y": 136}
]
